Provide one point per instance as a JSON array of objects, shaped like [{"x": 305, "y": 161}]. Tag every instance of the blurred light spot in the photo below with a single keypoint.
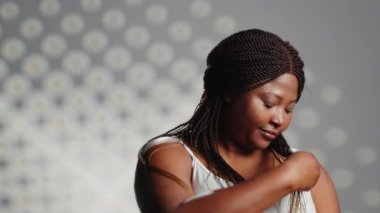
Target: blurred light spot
[
  {"x": 225, "y": 25},
  {"x": 80, "y": 99},
  {"x": 201, "y": 47},
  {"x": 117, "y": 58},
  {"x": 134, "y": 2},
  {"x": 53, "y": 45},
  {"x": 122, "y": 97},
  {"x": 160, "y": 53},
  {"x": 137, "y": 36},
  {"x": 184, "y": 70},
  {"x": 98, "y": 79},
  {"x": 330, "y": 94},
  {"x": 57, "y": 82},
  {"x": 371, "y": 198},
  {"x": 76, "y": 62},
  {"x": 17, "y": 85},
  {"x": 50, "y": 7},
  {"x": 35, "y": 65},
  {"x": 4, "y": 69},
  {"x": 307, "y": 118},
  {"x": 336, "y": 136},
  {"x": 13, "y": 49},
  {"x": 366, "y": 155},
  {"x": 114, "y": 19},
  {"x": 95, "y": 41},
  {"x": 156, "y": 14},
  {"x": 31, "y": 28},
  {"x": 72, "y": 24},
  {"x": 164, "y": 92},
  {"x": 9, "y": 10},
  {"x": 141, "y": 75},
  {"x": 144, "y": 112},
  {"x": 200, "y": 9},
  {"x": 180, "y": 31},
  {"x": 91, "y": 5},
  {"x": 38, "y": 102}
]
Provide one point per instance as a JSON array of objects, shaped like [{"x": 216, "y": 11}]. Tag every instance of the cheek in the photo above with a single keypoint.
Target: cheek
[
  {"x": 287, "y": 122},
  {"x": 257, "y": 114}
]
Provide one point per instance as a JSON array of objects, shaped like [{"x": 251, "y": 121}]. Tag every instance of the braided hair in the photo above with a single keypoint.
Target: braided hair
[{"x": 240, "y": 62}]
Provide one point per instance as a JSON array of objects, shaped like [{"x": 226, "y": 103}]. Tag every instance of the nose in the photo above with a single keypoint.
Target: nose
[{"x": 277, "y": 118}]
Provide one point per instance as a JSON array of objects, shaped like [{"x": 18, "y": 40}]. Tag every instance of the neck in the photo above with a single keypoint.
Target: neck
[
  {"x": 236, "y": 148},
  {"x": 247, "y": 163}
]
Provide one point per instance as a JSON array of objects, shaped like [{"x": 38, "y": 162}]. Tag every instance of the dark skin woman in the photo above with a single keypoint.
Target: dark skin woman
[{"x": 231, "y": 155}]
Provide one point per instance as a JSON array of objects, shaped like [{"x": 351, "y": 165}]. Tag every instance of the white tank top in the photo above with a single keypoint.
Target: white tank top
[{"x": 204, "y": 182}]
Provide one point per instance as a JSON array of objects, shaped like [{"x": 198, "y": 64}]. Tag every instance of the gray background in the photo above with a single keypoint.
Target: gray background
[{"x": 85, "y": 83}]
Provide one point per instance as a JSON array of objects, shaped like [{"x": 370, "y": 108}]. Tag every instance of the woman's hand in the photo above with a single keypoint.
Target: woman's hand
[{"x": 302, "y": 171}]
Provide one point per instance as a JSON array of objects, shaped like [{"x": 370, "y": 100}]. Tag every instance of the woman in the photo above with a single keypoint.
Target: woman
[{"x": 231, "y": 155}]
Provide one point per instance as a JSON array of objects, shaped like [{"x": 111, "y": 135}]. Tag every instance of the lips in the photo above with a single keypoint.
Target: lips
[{"x": 268, "y": 134}]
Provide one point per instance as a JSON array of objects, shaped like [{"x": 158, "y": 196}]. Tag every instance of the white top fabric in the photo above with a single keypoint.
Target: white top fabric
[{"x": 204, "y": 182}]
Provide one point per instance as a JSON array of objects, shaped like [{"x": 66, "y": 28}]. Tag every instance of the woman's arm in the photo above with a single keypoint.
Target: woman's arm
[
  {"x": 324, "y": 194},
  {"x": 163, "y": 194}
]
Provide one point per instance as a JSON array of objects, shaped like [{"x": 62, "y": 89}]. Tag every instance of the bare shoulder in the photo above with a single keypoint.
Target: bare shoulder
[
  {"x": 164, "y": 151},
  {"x": 324, "y": 193},
  {"x": 169, "y": 158},
  {"x": 163, "y": 180}
]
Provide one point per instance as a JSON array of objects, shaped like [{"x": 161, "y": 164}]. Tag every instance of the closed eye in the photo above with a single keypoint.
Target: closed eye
[
  {"x": 268, "y": 104},
  {"x": 289, "y": 110}
]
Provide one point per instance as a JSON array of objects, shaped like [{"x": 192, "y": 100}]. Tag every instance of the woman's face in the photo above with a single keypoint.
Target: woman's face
[{"x": 256, "y": 117}]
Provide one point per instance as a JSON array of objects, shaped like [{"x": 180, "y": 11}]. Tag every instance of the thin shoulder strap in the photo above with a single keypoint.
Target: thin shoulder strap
[
  {"x": 159, "y": 141},
  {"x": 191, "y": 153}
]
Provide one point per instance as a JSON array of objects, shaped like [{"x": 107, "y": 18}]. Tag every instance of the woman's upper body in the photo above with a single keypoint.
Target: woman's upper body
[
  {"x": 197, "y": 189},
  {"x": 253, "y": 81}
]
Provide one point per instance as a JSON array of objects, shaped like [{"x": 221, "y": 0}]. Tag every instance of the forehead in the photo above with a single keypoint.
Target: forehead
[{"x": 286, "y": 85}]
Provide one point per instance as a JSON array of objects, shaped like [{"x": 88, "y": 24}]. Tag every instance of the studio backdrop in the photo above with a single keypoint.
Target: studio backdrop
[{"x": 84, "y": 83}]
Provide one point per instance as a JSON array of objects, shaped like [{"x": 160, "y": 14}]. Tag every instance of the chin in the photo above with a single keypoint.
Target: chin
[
  {"x": 259, "y": 144},
  {"x": 265, "y": 146},
  {"x": 259, "y": 141}
]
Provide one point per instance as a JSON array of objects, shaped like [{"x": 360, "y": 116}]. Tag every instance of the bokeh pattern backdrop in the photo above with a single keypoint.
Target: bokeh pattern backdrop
[{"x": 84, "y": 83}]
